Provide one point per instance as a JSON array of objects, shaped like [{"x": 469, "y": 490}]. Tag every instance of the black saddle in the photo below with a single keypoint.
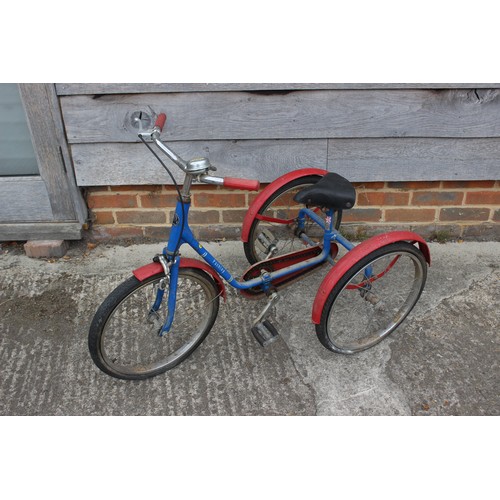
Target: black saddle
[{"x": 332, "y": 191}]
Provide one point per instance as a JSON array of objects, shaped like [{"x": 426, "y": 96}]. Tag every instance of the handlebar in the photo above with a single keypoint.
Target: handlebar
[
  {"x": 231, "y": 182},
  {"x": 245, "y": 184},
  {"x": 160, "y": 121},
  {"x": 198, "y": 167}
]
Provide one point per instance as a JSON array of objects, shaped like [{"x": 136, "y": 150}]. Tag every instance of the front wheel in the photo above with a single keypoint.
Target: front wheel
[
  {"x": 372, "y": 298},
  {"x": 124, "y": 339}
]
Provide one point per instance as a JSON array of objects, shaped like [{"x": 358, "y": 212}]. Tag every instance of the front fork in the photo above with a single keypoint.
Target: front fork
[
  {"x": 171, "y": 267},
  {"x": 171, "y": 270}
]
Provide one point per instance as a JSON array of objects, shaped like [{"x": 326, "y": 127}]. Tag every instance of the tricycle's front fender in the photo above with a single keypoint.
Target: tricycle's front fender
[
  {"x": 148, "y": 270},
  {"x": 355, "y": 255}
]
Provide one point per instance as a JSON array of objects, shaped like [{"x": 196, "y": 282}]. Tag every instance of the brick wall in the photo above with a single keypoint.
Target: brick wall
[{"x": 439, "y": 210}]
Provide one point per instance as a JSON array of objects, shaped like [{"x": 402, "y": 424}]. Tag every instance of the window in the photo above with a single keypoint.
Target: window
[{"x": 17, "y": 157}]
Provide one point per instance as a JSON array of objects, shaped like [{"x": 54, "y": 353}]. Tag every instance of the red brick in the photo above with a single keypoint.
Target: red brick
[
  {"x": 286, "y": 200},
  {"x": 112, "y": 201},
  {"x": 233, "y": 215},
  {"x": 253, "y": 195},
  {"x": 437, "y": 198},
  {"x": 46, "y": 248},
  {"x": 156, "y": 200},
  {"x": 207, "y": 217},
  {"x": 482, "y": 232},
  {"x": 483, "y": 198},
  {"x": 204, "y": 187},
  {"x": 104, "y": 218},
  {"x": 410, "y": 215},
  {"x": 468, "y": 184},
  {"x": 382, "y": 198},
  {"x": 157, "y": 232},
  {"x": 362, "y": 215},
  {"x": 414, "y": 185},
  {"x": 461, "y": 214},
  {"x": 141, "y": 217},
  {"x": 219, "y": 200}
]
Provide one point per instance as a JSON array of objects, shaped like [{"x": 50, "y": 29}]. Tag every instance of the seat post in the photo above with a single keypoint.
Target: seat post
[{"x": 329, "y": 219}]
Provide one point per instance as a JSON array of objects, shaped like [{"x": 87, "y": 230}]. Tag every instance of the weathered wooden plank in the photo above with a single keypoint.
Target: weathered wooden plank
[
  {"x": 120, "y": 163},
  {"x": 39, "y": 100},
  {"x": 319, "y": 114},
  {"x": 24, "y": 199},
  {"x": 410, "y": 159},
  {"x": 142, "y": 88},
  {"x": 74, "y": 193},
  {"x": 41, "y": 231}
]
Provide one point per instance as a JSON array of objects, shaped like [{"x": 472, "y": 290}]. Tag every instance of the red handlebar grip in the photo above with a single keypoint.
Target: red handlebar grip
[
  {"x": 245, "y": 184},
  {"x": 160, "y": 121}
]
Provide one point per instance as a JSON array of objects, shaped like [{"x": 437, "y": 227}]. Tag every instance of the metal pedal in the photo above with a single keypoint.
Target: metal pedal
[
  {"x": 263, "y": 330},
  {"x": 266, "y": 242},
  {"x": 265, "y": 333}
]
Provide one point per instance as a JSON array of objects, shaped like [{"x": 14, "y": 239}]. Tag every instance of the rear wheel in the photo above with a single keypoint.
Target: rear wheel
[
  {"x": 272, "y": 232},
  {"x": 373, "y": 298},
  {"x": 124, "y": 339}
]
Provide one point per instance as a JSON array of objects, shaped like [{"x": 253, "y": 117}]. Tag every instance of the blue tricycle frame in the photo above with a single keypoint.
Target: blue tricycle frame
[{"x": 181, "y": 234}]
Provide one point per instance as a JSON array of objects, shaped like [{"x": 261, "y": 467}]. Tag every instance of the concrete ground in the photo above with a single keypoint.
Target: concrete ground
[{"x": 442, "y": 361}]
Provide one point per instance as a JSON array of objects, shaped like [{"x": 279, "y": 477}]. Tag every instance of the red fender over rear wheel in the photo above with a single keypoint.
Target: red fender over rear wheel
[
  {"x": 354, "y": 256},
  {"x": 270, "y": 190}
]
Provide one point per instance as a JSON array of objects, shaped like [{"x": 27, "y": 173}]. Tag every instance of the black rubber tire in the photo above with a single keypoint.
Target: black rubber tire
[
  {"x": 322, "y": 327},
  {"x": 124, "y": 291},
  {"x": 249, "y": 246}
]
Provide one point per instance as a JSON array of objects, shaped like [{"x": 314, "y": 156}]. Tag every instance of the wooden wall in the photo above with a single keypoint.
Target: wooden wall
[{"x": 366, "y": 132}]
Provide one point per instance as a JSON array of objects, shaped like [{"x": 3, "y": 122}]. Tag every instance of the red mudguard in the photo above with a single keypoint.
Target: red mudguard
[
  {"x": 271, "y": 189},
  {"x": 355, "y": 255},
  {"x": 155, "y": 267}
]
